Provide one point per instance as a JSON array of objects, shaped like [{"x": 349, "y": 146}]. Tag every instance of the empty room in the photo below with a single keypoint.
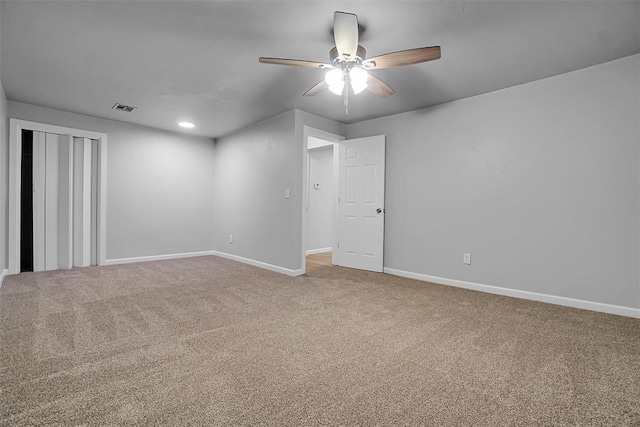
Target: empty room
[{"x": 286, "y": 213}]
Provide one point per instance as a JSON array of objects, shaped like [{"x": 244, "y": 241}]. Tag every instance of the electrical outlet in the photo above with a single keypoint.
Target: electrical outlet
[
  {"x": 466, "y": 259},
  {"x": 230, "y": 238}
]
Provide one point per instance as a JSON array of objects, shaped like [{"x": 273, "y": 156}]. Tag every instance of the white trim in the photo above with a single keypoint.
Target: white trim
[
  {"x": 101, "y": 217},
  {"x": 131, "y": 260},
  {"x": 60, "y": 130},
  {"x": 15, "y": 167},
  {"x": 4, "y": 273},
  {"x": 319, "y": 251},
  {"x": 315, "y": 143},
  {"x": 533, "y": 296},
  {"x": 260, "y": 264}
]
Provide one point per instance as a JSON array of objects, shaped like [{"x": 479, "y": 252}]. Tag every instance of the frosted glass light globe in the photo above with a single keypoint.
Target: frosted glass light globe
[
  {"x": 335, "y": 80},
  {"x": 359, "y": 79}
]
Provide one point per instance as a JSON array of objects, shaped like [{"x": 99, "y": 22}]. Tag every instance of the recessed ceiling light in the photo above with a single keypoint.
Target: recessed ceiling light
[{"x": 188, "y": 125}]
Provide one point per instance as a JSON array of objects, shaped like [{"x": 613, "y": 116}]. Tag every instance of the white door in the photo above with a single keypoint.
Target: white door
[
  {"x": 51, "y": 185},
  {"x": 51, "y": 190},
  {"x": 64, "y": 201},
  {"x": 39, "y": 200},
  {"x": 84, "y": 200},
  {"x": 361, "y": 203}
]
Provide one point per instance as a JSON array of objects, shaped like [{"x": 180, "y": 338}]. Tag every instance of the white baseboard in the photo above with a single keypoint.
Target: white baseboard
[
  {"x": 156, "y": 257},
  {"x": 260, "y": 264},
  {"x": 4, "y": 273},
  {"x": 255, "y": 263},
  {"x": 319, "y": 250},
  {"x": 533, "y": 296}
]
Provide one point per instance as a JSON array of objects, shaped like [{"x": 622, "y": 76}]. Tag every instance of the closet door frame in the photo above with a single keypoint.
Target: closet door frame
[{"x": 15, "y": 169}]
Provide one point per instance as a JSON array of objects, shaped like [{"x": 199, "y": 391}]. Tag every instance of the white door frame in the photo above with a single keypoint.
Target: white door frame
[
  {"x": 335, "y": 140},
  {"x": 15, "y": 169}
]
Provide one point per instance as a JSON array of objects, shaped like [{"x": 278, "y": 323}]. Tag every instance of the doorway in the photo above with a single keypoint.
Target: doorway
[
  {"x": 357, "y": 219},
  {"x": 319, "y": 147},
  {"x": 55, "y": 221},
  {"x": 320, "y": 203},
  {"x": 57, "y": 201}
]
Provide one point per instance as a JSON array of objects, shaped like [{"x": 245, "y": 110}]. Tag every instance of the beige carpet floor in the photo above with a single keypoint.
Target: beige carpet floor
[{"x": 207, "y": 341}]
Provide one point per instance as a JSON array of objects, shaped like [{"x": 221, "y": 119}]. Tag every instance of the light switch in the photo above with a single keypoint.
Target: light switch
[
  {"x": 316, "y": 185},
  {"x": 287, "y": 193},
  {"x": 466, "y": 259}
]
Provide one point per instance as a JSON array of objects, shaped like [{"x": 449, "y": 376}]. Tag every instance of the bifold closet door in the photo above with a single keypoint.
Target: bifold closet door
[
  {"x": 64, "y": 198},
  {"x": 94, "y": 202},
  {"x": 51, "y": 202},
  {"x": 84, "y": 202},
  {"x": 39, "y": 201},
  {"x": 65, "y": 202},
  {"x": 52, "y": 193}
]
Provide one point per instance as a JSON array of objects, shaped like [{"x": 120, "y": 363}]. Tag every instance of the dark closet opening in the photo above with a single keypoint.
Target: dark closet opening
[{"x": 26, "y": 203}]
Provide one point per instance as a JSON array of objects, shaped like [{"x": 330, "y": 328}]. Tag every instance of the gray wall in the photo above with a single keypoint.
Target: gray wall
[
  {"x": 4, "y": 178},
  {"x": 252, "y": 169},
  {"x": 539, "y": 182},
  {"x": 320, "y": 223},
  {"x": 159, "y": 200}
]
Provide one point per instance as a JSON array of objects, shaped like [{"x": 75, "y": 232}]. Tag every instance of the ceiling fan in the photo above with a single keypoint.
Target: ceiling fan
[{"x": 349, "y": 65}]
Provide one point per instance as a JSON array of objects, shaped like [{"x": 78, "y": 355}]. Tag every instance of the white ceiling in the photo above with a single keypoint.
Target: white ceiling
[{"x": 178, "y": 60}]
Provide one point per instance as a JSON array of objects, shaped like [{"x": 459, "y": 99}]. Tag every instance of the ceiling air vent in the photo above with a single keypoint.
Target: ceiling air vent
[{"x": 122, "y": 107}]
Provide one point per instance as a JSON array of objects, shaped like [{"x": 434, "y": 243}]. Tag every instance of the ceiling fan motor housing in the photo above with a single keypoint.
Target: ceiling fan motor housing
[{"x": 338, "y": 60}]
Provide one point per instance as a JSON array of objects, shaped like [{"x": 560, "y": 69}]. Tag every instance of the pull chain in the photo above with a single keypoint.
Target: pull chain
[{"x": 347, "y": 80}]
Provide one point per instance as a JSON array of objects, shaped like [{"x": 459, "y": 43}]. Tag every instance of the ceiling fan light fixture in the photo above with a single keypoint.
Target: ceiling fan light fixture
[
  {"x": 337, "y": 88},
  {"x": 359, "y": 79},
  {"x": 335, "y": 80},
  {"x": 349, "y": 63}
]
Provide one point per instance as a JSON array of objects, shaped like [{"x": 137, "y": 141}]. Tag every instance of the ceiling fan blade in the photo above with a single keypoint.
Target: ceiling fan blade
[
  {"x": 294, "y": 62},
  {"x": 345, "y": 33},
  {"x": 378, "y": 87},
  {"x": 321, "y": 86},
  {"x": 403, "y": 57}
]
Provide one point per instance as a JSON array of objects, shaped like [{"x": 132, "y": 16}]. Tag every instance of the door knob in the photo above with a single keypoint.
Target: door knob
[{"x": 379, "y": 210}]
